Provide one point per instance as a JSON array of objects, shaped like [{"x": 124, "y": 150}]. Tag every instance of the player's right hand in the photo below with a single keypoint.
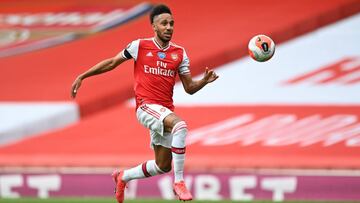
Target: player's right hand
[{"x": 75, "y": 86}]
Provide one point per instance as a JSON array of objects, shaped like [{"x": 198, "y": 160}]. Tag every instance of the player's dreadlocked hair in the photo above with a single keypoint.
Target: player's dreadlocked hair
[{"x": 157, "y": 10}]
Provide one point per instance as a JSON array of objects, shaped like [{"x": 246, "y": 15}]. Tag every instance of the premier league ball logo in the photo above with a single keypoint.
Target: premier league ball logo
[{"x": 161, "y": 55}]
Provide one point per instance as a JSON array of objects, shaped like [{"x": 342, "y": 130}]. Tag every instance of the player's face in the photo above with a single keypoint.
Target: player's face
[{"x": 164, "y": 26}]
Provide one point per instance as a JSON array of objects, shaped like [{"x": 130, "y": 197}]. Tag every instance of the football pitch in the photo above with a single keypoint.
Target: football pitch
[{"x": 109, "y": 200}]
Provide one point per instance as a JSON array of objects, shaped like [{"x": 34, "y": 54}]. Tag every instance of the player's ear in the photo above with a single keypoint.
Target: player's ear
[{"x": 154, "y": 27}]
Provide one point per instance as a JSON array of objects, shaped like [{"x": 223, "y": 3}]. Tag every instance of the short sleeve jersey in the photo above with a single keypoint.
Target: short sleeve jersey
[{"x": 155, "y": 70}]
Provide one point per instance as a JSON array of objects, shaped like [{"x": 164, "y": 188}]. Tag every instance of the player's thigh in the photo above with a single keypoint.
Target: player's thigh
[
  {"x": 170, "y": 121},
  {"x": 152, "y": 116},
  {"x": 164, "y": 140}
]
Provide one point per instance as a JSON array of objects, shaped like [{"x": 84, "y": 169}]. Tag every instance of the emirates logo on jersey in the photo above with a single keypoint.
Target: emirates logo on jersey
[
  {"x": 174, "y": 57},
  {"x": 159, "y": 71}
]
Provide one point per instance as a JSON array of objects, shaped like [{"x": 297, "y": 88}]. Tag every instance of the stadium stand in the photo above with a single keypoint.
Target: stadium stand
[{"x": 107, "y": 134}]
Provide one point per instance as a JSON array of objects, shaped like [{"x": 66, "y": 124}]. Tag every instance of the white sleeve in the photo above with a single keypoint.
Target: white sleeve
[
  {"x": 185, "y": 64},
  {"x": 132, "y": 49}
]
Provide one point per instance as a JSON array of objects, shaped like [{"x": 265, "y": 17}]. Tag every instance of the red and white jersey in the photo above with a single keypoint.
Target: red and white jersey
[{"x": 155, "y": 70}]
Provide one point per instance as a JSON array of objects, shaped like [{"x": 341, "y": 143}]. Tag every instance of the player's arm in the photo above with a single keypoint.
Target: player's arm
[
  {"x": 102, "y": 67},
  {"x": 192, "y": 86}
]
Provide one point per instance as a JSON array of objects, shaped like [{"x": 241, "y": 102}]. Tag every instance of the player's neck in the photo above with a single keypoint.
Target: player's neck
[{"x": 161, "y": 43}]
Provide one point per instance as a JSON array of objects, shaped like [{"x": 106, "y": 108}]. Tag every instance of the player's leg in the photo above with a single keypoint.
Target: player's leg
[
  {"x": 163, "y": 158},
  {"x": 151, "y": 116},
  {"x": 161, "y": 164},
  {"x": 147, "y": 169},
  {"x": 178, "y": 129}
]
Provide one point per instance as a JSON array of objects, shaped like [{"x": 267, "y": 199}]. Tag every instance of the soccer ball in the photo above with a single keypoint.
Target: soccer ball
[{"x": 261, "y": 48}]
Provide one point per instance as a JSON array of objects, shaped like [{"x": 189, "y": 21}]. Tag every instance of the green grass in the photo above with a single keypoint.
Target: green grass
[{"x": 107, "y": 200}]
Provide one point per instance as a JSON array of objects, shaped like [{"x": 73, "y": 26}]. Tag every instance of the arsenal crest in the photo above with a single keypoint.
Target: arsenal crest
[{"x": 174, "y": 57}]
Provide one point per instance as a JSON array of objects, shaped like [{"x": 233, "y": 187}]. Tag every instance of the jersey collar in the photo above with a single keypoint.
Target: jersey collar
[{"x": 158, "y": 45}]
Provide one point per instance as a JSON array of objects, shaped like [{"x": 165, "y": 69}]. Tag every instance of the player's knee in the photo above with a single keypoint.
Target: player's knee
[{"x": 180, "y": 126}]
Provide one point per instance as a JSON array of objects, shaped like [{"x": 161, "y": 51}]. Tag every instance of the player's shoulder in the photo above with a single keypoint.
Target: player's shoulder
[{"x": 176, "y": 46}]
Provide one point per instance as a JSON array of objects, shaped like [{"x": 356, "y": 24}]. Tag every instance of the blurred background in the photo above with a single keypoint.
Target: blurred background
[{"x": 286, "y": 129}]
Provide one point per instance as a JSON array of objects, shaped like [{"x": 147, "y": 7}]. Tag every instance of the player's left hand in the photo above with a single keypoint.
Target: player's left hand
[{"x": 210, "y": 75}]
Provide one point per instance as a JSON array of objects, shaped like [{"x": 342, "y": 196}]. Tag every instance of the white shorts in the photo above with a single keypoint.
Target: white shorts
[{"x": 152, "y": 116}]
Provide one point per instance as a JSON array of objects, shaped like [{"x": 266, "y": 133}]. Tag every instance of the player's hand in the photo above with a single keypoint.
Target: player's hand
[
  {"x": 210, "y": 75},
  {"x": 75, "y": 86}
]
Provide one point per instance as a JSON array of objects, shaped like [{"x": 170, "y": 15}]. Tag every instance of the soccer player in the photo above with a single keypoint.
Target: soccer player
[{"x": 157, "y": 62}]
